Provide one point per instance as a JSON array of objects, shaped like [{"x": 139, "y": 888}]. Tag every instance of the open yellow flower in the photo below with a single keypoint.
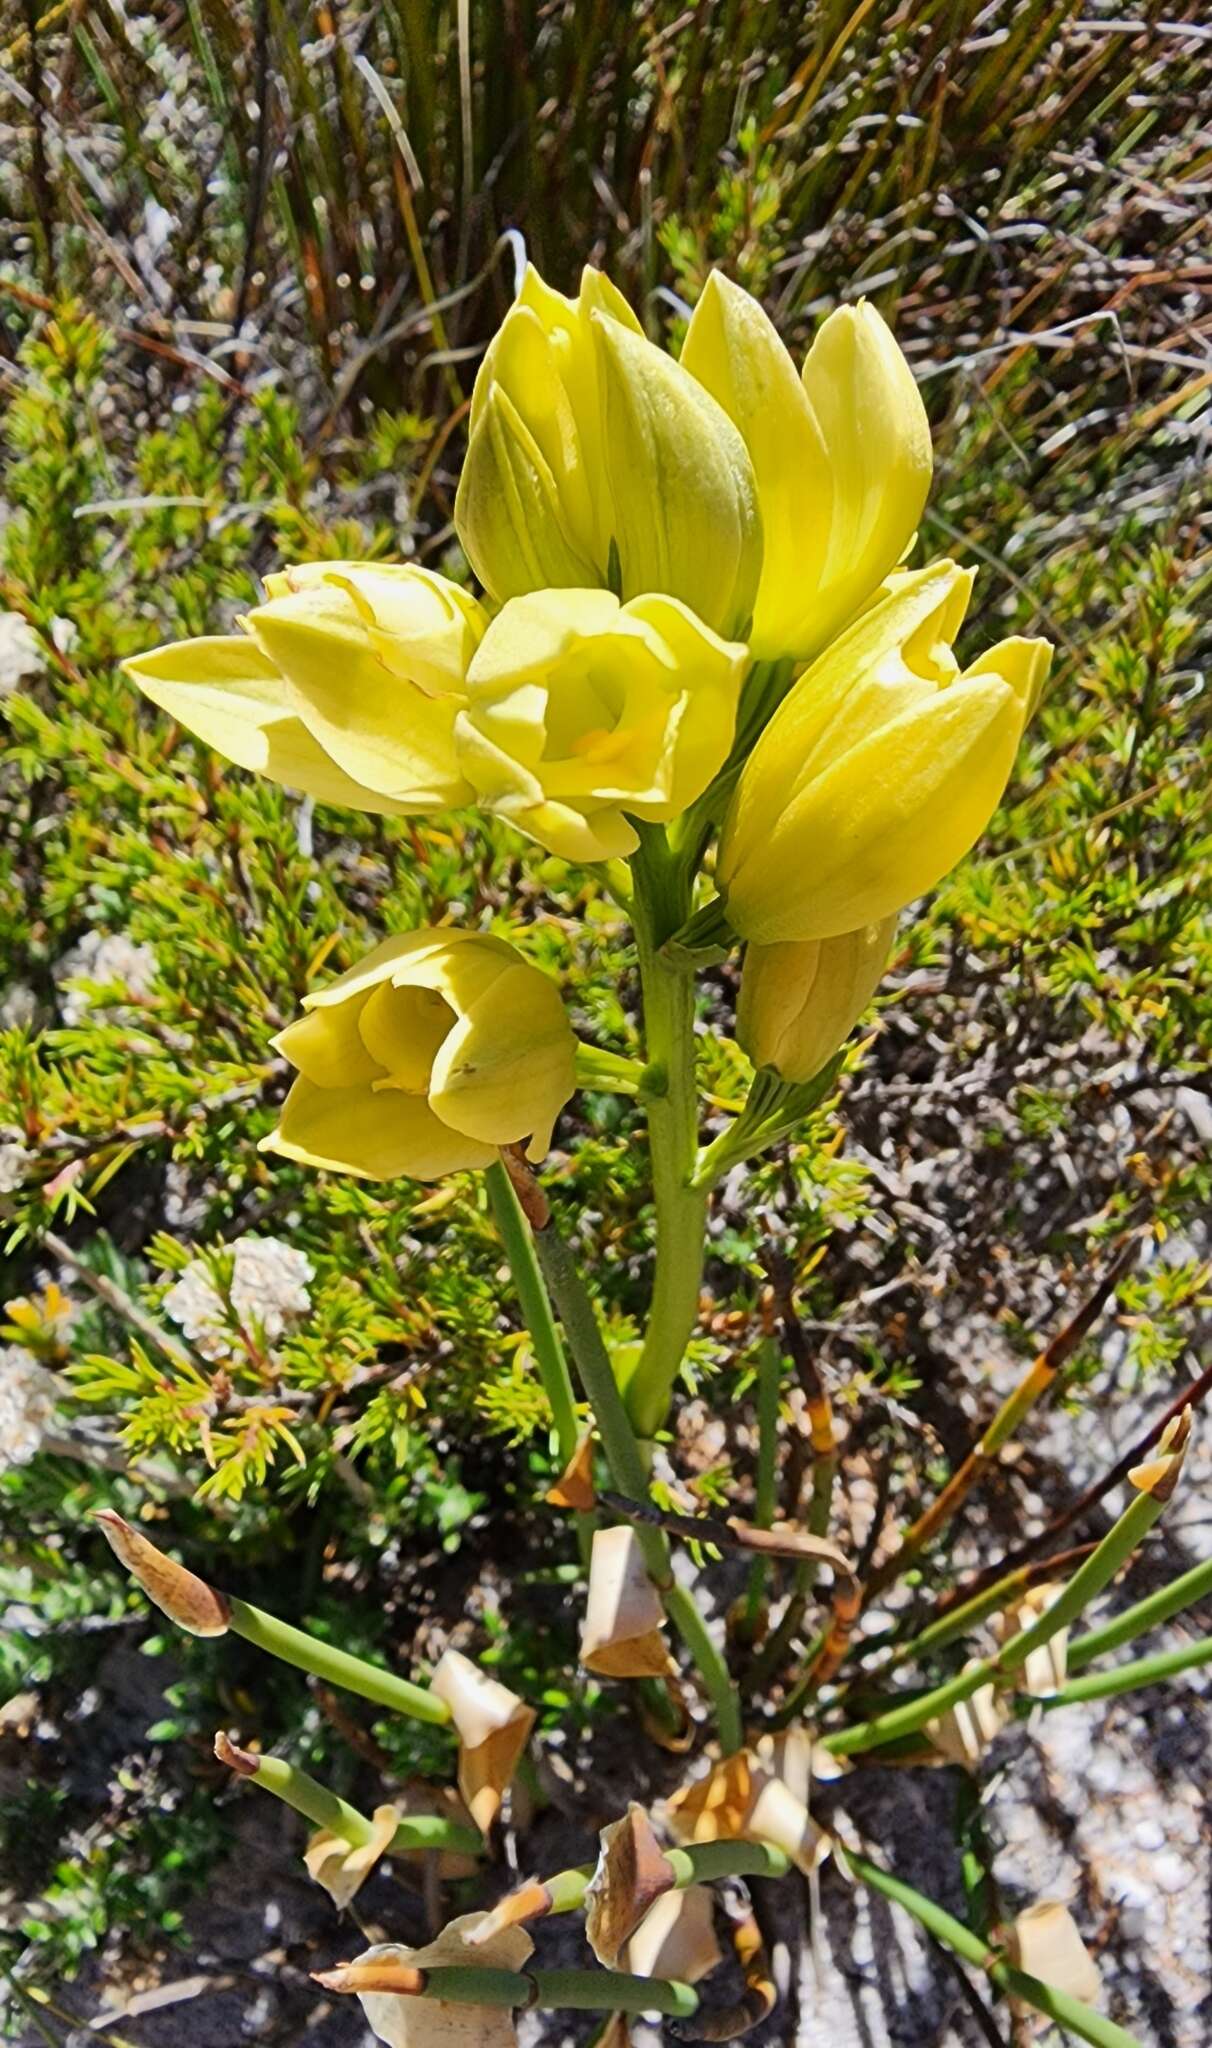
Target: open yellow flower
[
  {"x": 841, "y": 455},
  {"x": 581, "y": 711},
  {"x": 437, "y": 1049},
  {"x": 344, "y": 684},
  {"x": 880, "y": 768},
  {"x": 594, "y": 459},
  {"x": 800, "y": 1000}
]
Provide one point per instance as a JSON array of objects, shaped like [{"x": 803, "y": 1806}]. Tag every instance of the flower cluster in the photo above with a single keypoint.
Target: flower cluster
[
  {"x": 695, "y": 614},
  {"x": 27, "y": 1405},
  {"x": 268, "y": 1289}
]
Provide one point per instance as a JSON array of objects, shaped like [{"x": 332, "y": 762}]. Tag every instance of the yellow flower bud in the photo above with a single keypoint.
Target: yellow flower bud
[
  {"x": 593, "y": 459},
  {"x": 437, "y": 1049},
  {"x": 879, "y": 770},
  {"x": 346, "y": 686},
  {"x": 583, "y": 712},
  {"x": 800, "y": 1000},
  {"x": 841, "y": 456}
]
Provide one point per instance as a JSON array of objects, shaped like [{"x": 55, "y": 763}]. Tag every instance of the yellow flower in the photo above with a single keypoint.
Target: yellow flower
[
  {"x": 345, "y": 684},
  {"x": 879, "y": 770},
  {"x": 594, "y": 459},
  {"x": 841, "y": 455},
  {"x": 438, "y": 1048},
  {"x": 800, "y": 1000},
  {"x": 581, "y": 710}
]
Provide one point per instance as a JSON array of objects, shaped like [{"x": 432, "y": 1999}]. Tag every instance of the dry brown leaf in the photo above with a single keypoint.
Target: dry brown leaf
[
  {"x": 1047, "y": 1667},
  {"x": 199, "y": 1609},
  {"x": 574, "y": 1488},
  {"x": 965, "y": 1731},
  {"x": 633, "y": 1871}
]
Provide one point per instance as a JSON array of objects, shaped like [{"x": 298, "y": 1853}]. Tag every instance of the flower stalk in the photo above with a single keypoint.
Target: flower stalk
[
  {"x": 1068, "y": 2012},
  {"x": 297, "y": 1789}
]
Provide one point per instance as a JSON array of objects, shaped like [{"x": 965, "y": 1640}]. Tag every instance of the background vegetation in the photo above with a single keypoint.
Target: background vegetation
[{"x": 251, "y": 255}]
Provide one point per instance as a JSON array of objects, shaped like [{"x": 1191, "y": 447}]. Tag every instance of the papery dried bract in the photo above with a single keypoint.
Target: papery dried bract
[
  {"x": 493, "y": 1726},
  {"x": 621, "y": 1636},
  {"x": 878, "y": 771},
  {"x": 841, "y": 456},
  {"x": 405, "y": 2021},
  {"x": 968, "y": 1729},
  {"x": 1045, "y": 1669},
  {"x": 676, "y": 1938},
  {"x": 437, "y": 1049},
  {"x": 1044, "y": 1942},
  {"x": 343, "y": 1867},
  {"x": 583, "y": 714},
  {"x": 187, "y": 1600},
  {"x": 742, "y": 1798}
]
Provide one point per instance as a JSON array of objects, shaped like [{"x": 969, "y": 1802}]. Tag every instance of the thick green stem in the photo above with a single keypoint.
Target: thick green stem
[
  {"x": 1087, "y": 1582},
  {"x": 627, "y": 1472},
  {"x": 336, "y": 1667},
  {"x": 317, "y": 1804},
  {"x": 536, "y": 1310},
  {"x": 1068, "y": 2012},
  {"x": 1150, "y": 1613},
  {"x": 1103, "y": 1685},
  {"x": 663, "y": 883},
  {"x": 559, "y": 1990}
]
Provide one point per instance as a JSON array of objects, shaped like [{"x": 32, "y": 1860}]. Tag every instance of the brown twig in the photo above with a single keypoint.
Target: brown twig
[{"x": 1035, "y": 1382}]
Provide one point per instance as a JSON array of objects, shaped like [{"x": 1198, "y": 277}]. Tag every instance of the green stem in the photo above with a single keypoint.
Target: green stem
[
  {"x": 769, "y": 1382},
  {"x": 560, "y": 1990},
  {"x": 1068, "y": 2012},
  {"x": 627, "y": 1472},
  {"x": 1087, "y": 1582},
  {"x": 610, "y": 1073},
  {"x": 536, "y": 1310},
  {"x": 1103, "y": 1685},
  {"x": 663, "y": 884},
  {"x": 683, "y": 1612},
  {"x": 317, "y": 1804},
  {"x": 336, "y": 1667},
  {"x": 1150, "y": 1613}
]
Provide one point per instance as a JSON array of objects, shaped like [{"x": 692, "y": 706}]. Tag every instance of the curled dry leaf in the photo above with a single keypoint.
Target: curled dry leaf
[
  {"x": 341, "y": 1868},
  {"x": 389, "y": 1978},
  {"x": 493, "y": 1726},
  {"x": 1047, "y": 1668},
  {"x": 199, "y": 1609},
  {"x": 965, "y": 1731},
  {"x": 1044, "y": 1942},
  {"x": 623, "y": 1614},
  {"x": 676, "y": 1937},
  {"x": 574, "y": 1488},
  {"x": 793, "y": 1756},
  {"x": 741, "y": 1798},
  {"x": 633, "y": 1871}
]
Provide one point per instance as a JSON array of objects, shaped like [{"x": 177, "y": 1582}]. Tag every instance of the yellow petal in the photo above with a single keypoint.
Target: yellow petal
[
  {"x": 873, "y": 425},
  {"x": 327, "y": 1046},
  {"x": 506, "y": 1069},
  {"x": 377, "y": 1136},
  {"x": 799, "y": 1001},
  {"x": 378, "y": 722},
  {"x": 733, "y": 350},
  {"x": 685, "y": 502},
  {"x": 235, "y": 700},
  {"x": 508, "y": 511}
]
